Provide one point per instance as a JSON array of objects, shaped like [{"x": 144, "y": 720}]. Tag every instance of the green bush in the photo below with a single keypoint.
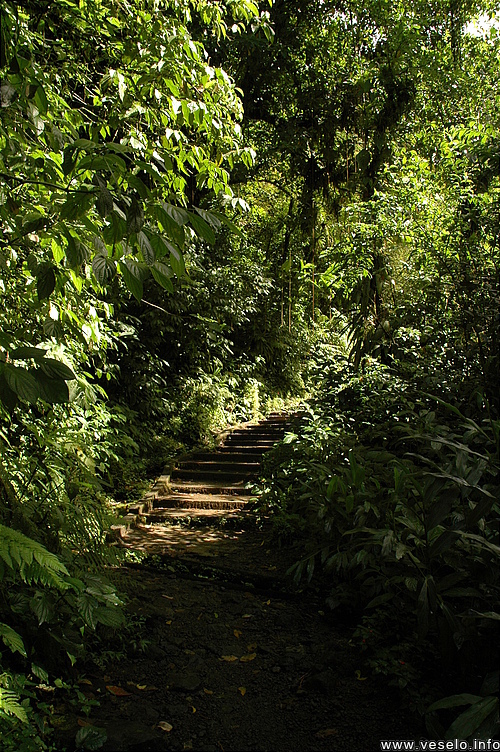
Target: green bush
[{"x": 396, "y": 496}]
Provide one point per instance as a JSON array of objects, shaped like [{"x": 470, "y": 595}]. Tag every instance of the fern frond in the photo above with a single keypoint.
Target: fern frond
[
  {"x": 32, "y": 561},
  {"x": 12, "y": 639},
  {"x": 10, "y": 705},
  {"x": 86, "y": 521}
]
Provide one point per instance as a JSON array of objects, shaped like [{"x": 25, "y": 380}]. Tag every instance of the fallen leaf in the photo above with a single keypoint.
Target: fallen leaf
[
  {"x": 118, "y": 691},
  {"x": 248, "y": 657},
  {"x": 170, "y": 597},
  {"x": 169, "y": 622},
  {"x": 359, "y": 677},
  {"x": 325, "y": 733},
  {"x": 84, "y": 681},
  {"x": 268, "y": 603},
  {"x": 208, "y": 691},
  {"x": 229, "y": 658},
  {"x": 199, "y": 617},
  {"x": 252, "y": 647},
  {"x": 193, "y": 708},
  {"x": 247, "y": 616},
  {"x": 106, "y": 678},
  {"x": 84, "y": 722},
  {"x": 237, "y": 633},
  {"x": 165, "y": 726},
  {"x": 242, "y": 691}
]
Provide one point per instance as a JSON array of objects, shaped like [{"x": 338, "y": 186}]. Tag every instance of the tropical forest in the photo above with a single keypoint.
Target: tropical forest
[{"x": 249, "y": 375}]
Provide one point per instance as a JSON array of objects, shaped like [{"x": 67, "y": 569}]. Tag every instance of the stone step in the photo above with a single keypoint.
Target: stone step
[
  {"x": 274, "y": 422},
  {"x": 250, "y": 448},
  {"x": 257, "y": 431},
  {"x": 228, "y": 455},
  {"x": 172, "y": 515},
  {"x": 259, "y": 442},
  {"x": 215, "y": 465},
  {"x": 207, "y": 487},
  {"x": 199, "y": 501},
  {"x": 203, "y": 475}
]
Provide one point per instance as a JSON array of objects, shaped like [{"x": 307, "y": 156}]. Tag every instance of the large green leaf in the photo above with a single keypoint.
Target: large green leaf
[
  {"x": 115, "y": 230},
  {"x": 470, "y": 720},
  {"x": 223, "y": 220},
  {"x": 8, "y": 397},
  {"x": 12, "y": 639},
  {"x": 363, "y": 158},
  {"x": 56, "y": 369},
  {"x": 52, "y": 390},
  {"x": 111, "y": 617},
  {"x": 104, "y": 268},
  {"x": 77, "y": 252},
  {"x": 90, "y": 738},
  {"x": 162, "y": 274},
  {"x": 52, "y": 328},
  {"x": 135, "y": 216},
  {"x": 45, "y": 280},
  {"x": 104, "y": 203},
  {"x": 41, "y": 99},
  {"x": 211, "y": 218},
  {"x": 24, "y": 353},
  {"x": 453, "y": 702},
  {"x": 147, "y": 251},
  {"x": 133, "y": 277},
  {"x": 160, "y": 246},
  {"x": 173, "y": 229},
  {"x": 77, "y": 205},
  {"x": 202, "y": 228},
  {"x": 179, "y": 215},
  {"x": 135, "y": 182},
  {"x": 22, "y": 383},
  {"x": 177, "y": 263}
]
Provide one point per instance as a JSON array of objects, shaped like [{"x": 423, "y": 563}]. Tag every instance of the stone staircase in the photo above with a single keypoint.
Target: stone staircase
[{"x": 217, "y": 483}]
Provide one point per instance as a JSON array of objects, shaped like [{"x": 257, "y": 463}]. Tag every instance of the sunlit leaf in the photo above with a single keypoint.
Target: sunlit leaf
[
  {"x": 165, "y": 726},
  {"x": 117, "y": 691},
  {"x": 248, "y": 657}
]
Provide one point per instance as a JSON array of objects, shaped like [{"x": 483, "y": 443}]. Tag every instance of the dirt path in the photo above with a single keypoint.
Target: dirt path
[{"x": 236, "y": 657}]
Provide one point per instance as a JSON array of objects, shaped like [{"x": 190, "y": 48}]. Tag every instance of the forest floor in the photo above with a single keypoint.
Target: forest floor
[{"x": 237, "y": 658}]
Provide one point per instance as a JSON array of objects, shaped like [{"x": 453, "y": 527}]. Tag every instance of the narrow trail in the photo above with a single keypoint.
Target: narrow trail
[{"x": 237, "y": 658}]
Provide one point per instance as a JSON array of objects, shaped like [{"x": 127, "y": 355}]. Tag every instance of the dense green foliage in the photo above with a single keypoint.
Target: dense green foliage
[{"x": 210, "y": 208}]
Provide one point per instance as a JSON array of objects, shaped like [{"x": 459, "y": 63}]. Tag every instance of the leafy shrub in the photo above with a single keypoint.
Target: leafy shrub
[{"x": 396, "y": 496}]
